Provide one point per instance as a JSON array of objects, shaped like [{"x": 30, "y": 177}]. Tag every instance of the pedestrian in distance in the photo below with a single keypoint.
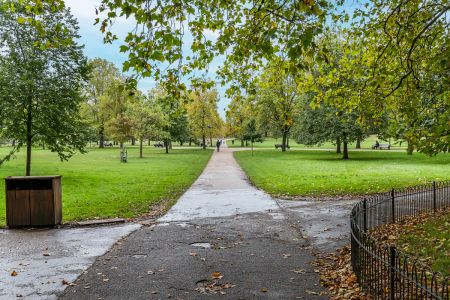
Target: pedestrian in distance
[{"x": 218, "y": 145}]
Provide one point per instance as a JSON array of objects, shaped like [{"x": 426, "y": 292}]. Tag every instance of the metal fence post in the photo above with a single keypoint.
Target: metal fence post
[
  {"x": 393, "y": 205},
  {"x": 434, "y": 196},
  {"x": 365, "y": 215},
  {"x": 392, "y": 272}
]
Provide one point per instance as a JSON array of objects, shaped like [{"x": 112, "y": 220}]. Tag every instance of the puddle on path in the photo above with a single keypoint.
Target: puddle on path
[{"x": 202, "y": 245}]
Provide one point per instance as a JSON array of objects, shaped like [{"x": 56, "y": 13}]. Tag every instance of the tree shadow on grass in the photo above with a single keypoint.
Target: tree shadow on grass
[{"x": 394, "y": 159}]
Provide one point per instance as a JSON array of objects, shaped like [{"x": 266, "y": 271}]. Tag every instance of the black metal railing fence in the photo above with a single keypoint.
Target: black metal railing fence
[{"x": 383, "y": 271}]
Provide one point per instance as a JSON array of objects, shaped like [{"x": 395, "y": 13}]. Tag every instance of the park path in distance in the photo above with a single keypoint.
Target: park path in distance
[{"x": 224, "y": 238}]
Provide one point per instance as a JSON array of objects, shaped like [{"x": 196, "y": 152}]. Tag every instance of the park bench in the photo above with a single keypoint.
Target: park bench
[
  {"x": 158, "y": 145},
  {"x": 381, "y": 146},
  {"x": 281, "y": 146}
]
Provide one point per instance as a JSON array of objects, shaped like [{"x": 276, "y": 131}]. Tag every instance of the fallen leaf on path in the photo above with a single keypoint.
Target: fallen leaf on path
[
  {"x": 299, "y": 271},
  {"x": 264, "y": 290},
  {"x": 13, "y": 273},
  {"x": 216, "y": 275}
]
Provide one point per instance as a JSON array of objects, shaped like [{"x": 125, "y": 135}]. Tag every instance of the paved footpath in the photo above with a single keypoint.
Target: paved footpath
[
  {"x": 36, "y": 263},
  {"x": 223, "y": 239}
]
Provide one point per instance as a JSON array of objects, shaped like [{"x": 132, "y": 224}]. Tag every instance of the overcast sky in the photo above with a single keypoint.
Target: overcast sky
[
  {"x": 84, "y": 11},
  {"x": 91, "y": 37}
]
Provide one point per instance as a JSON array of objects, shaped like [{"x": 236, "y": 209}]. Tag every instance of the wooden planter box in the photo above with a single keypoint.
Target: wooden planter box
[{"x": 33, "y": 201}]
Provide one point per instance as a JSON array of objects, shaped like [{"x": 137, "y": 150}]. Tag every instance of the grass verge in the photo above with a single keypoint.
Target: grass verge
[
  {"x": 97, "y": 185},
  {"x": 324, "y": 173},
  {"x": 429, "y": 240},
  {"x": 270, "y": 143}
]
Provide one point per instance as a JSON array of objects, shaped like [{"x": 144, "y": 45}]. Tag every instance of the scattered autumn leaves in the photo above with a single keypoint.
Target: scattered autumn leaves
[
  {"x": 412, "y": 235},
  {"x": 213, "y": 285},
  {"x": 425, "y": 237},
  {"x": 337, "y": 276}
]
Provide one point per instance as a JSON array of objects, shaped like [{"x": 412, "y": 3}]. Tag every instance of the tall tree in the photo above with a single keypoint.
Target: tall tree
[
  {"x": 203, "y": 117},
  {"x": 408, "y": 42},
  {"x": 115, "y": 105},
  {"x": 102, "y": 77},
  {"x": 239, "y": 111},
  {"x": 247, "y": 31},
  {"x": 174, "y": 113},
  {"x": 147, "y": 121},
  {"x": 42, "y": 95},
  {"x": 326, "y": 123},
  {"x": 251, "y": 132},
  {"x": 278, "y": 99}
]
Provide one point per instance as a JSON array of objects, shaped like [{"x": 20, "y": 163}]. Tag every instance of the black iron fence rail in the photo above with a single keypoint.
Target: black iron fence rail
[{"x": 383, "y": 271}]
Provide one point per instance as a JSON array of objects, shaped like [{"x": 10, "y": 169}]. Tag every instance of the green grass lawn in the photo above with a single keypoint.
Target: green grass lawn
[
  {"x": 430, "y": 241},
  {"x": 96, "y": 184},
  {"x": 270, "y": 143},
  {"x": 319, "y": 173}
]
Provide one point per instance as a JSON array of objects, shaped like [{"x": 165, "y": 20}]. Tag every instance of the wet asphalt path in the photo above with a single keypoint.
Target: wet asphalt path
[{"x": 223, "y": 239}]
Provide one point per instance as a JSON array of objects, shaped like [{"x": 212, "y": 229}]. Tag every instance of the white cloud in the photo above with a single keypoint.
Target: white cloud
[{"x": 83, "y": 9}]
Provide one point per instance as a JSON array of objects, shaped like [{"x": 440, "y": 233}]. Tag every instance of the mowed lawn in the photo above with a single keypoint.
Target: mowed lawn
[
  {"x": 324, "y": 173},
  {"x": 96, "y": 184},
  {"x": 270, "y": 143}
]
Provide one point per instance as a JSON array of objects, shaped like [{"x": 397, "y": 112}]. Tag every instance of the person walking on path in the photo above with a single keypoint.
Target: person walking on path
[{"x": 218, "y": 145}]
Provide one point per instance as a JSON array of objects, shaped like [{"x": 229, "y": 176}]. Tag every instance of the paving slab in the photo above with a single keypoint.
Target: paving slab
[
  {"x": 221, "y": 190},
  {"x": 41, "y": 259}
]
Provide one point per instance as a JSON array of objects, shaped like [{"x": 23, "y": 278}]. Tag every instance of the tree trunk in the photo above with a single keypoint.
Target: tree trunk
[
  {"x": 101, "y": 137},
  {"x": 121, "y": 145},
  {"x": 210, "y": 141},
  {"x": 29, "y": 140},
  {"x": 149, "y": 142},
  {"x": 141, "y": 142},
  {"x": 338, "y": 145},
  {"x": 133, "y": 141},
  {"x": 166, "y": 144},
  {"x": 181, "y": 143},
  {"x": 242, "y": 142},
  {"x": 13, "y": 143},
  {"x": 345, "y": 156},
  {"x": 410, "y": 148},
  {"x": 358, "y": 143},
  {"x": 204, "y": 142},
  {"x": 190, "y": 142},
  {"x": 283, "y": 142}
]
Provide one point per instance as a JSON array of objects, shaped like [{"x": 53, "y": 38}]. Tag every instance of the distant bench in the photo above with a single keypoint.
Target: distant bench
[
  {"x": 382, "y": 146},
  {"x": 158, "y": 145},
  {"x": 281, "y": 146}
]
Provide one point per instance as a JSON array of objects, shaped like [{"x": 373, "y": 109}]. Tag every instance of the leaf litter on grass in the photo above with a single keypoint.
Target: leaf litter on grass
[{"x": 335, "y": 268}]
